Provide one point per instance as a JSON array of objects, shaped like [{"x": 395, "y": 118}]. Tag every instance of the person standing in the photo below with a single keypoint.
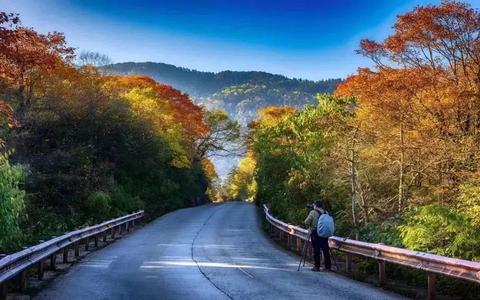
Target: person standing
[
  {"x": 311, "y": 224},
  {"x": 325, "y": 229}
]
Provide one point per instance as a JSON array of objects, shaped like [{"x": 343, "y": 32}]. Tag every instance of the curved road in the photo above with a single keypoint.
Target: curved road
[{"x": 206, "y": 252}]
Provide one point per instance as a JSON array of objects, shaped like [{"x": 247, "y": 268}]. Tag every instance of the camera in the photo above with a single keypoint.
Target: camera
[{"x": 309, "y": 206}]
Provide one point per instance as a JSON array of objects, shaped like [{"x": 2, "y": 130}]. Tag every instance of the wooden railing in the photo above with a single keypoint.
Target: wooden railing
[
  {"x": 17, "y": 265},
  {"x": 295, "y": 236}
]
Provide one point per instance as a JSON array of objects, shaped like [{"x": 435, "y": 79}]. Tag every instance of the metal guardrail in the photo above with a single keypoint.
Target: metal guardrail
[
  {"x": 18, "y": 264},
  {"x": 430, "y": 263}
]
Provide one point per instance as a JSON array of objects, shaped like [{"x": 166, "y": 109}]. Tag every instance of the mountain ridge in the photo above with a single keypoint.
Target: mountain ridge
[
  {"x": 202, "y": 83},
  {"x": 240, "y": 93}
]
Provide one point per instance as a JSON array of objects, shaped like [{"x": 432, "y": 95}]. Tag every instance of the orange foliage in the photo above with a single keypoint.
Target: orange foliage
[
  {"x": 23, "y": 49},
  {"x": 271, "y": 115},
  {"x": 420, "y": 105},
  {"x": 185, "y": 112},
  {"x": 209, "y": 168}
]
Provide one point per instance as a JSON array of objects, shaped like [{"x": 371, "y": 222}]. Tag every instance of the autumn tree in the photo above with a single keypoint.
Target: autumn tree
[
  {"x": 222, "y": 137},
  {"x": 24, "y": 54},
  {"x": 422, "y": 101}
]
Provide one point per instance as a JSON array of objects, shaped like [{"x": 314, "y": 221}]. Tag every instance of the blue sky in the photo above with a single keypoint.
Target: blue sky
[{"x": 297, "y": 38}]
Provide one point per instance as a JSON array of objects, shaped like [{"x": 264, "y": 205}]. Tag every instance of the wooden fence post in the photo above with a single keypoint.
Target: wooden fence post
[
  {"x": 65, "y": 255},
  {"x": 23, "y": 280},
  {"x": 348, "y": 263},
  {"x": 53, "y": 261},
  {"x": 381, "y": 273},
  {"x": 432, "y": 292},
  {"x": 3, "y": 291},
  {"x": 40, "y": 268},
  {"x": 77, "y": 249}
]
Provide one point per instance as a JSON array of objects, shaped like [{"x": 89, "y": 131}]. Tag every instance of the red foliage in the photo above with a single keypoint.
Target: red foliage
[
  {"x": 185, "y": 112},
  {"x": 23, "y": 50}
]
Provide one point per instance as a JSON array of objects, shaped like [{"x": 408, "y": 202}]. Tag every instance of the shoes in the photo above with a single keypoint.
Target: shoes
[
  {"x": 314, "y": 269},
  {"x": 325, "y": 270}
]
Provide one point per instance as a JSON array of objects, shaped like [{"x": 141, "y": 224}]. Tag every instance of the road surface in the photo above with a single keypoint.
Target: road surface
[{"x": 206, "y": 252}]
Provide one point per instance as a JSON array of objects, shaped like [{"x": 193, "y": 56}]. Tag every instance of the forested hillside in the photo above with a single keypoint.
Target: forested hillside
[
  {"x": 394, "y": 153},
  {"x": 238, "y": 93},
  {"x": 78, "y": 147}
]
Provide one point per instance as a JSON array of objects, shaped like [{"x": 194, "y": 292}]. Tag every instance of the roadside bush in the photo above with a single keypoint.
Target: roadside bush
[{"x": 12, "y": 203}]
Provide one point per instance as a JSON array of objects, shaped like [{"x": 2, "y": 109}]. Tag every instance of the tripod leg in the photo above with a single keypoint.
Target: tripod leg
[{"x": 303, "y": 256}]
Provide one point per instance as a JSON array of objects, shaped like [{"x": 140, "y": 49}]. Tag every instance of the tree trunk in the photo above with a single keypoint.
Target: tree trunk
[
  {"x": 353, "y": 181},
  {"x": 401, "y": 189}
]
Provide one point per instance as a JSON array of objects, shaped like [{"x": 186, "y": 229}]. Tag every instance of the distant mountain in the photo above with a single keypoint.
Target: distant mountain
[{"x": 239, "y": 93}]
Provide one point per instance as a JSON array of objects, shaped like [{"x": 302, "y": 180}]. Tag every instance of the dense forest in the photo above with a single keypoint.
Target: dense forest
[
  {"x": 394, "y": 152},
  {"x": 78, "y": 146},
  {"x": 240, "y": 94}
]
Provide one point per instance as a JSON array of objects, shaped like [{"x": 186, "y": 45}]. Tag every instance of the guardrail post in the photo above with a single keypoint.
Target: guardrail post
[
  {"x": 40, "y": 268},
  {"x": 348, "y": 263},
  {"x": 431, "y": 281},
  {"x": 3, "y": 291},
  {"x": 53, "y": 261},
  {"x": 23, "y": 280},
  {"x": 299, "y": 244},
  {"x": 105, "y": 237},
  {"x": 112, "y": 231},
  {"x": 87, "y": 243},
  {"x": 381, "y": 273},
  {"x": 96, "y": 241},
  {"x": 77, "y": 249},
  {"x": 127, "y": 228},
  {"x": 65, "y": 255}
]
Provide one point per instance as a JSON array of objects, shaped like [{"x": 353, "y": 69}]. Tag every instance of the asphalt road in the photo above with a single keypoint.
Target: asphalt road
[{"x": 206, "y": 252}]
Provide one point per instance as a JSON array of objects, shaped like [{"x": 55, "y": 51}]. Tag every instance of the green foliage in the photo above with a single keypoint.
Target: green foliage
[
  {"x": 201, "y": 84},
  {"x": 98, "y": 205},
  {"x": 386, "y": 232},
  {"x": 12, "y": 199},
  {"x": 469, "y": 202},
  {"x": 241, "y": 184},
  {"x": 240, "y": 94},
  {"x": 442, "y": 230},
  {"x": 293, "y": 156}
]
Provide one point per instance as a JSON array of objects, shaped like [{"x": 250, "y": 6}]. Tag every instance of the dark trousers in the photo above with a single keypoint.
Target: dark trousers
[
  {"x": 319, "y": 243},
  {"x": 326, "y": 252}
]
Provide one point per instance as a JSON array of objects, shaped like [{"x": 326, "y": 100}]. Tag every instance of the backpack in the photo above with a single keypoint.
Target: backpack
[{"x": 325, "y": 226}]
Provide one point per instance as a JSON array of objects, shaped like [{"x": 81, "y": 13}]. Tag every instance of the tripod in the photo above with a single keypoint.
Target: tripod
[{"x": 302, "y": 258}]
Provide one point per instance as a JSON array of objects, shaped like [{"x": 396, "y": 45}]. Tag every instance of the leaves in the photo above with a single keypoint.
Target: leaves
[{"x": 96, "y": 146}]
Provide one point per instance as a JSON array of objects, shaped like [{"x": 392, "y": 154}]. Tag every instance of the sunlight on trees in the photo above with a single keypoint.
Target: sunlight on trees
[
  {"x": 394, "y": 153},
  {"x": 93, "y": 146}
]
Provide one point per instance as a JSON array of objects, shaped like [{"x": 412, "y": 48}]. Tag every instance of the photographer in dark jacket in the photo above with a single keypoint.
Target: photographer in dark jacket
[{"x": 311, "y": 224}]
